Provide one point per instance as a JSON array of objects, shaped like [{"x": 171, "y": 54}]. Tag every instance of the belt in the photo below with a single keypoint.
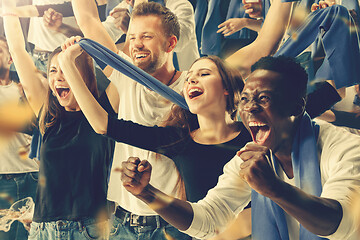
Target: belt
[
  {"x": 11, "y": 176},
  {"x": 68, "y": 224},
  {"x": 137, "y": 220}
]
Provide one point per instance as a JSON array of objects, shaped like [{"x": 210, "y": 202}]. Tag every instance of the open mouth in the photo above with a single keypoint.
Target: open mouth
[
  {"x": 140, "y": 56},
  {"x": 195, "y": 92},
  {"x": 63, "y": 92},
  {"x": 259, "y": 131}
]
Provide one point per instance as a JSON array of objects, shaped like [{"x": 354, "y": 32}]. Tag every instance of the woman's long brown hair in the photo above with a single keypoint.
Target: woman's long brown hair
[
  {"x": 52, "y": 110},
  {"x": 232, "y": 82},
  {"x": 179, "y": 117}
]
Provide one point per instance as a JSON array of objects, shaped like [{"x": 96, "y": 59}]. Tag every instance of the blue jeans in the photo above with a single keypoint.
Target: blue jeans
[
  {"x": 68, "y": 230},
  {"x": 121, "y": 230},
  {"x": 14, "y": 187}
]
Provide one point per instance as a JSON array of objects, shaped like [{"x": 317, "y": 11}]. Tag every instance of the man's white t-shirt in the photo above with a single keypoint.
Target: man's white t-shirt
[
  {"x": 339, "y": 157},
  {"x": 144, "y": 106}
]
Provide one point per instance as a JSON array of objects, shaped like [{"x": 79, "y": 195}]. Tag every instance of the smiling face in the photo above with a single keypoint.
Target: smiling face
[
  {"x": 263, "y": 110},
  {"x": 147, "y": 43},
  {"x": 203, "y": 89},
  {"x": 60, "y": 88}
]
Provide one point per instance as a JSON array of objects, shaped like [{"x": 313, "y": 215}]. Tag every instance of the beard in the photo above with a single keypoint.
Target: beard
[
  {"x": 149, "y": 66},
  {"x": 154, "y": 63}
]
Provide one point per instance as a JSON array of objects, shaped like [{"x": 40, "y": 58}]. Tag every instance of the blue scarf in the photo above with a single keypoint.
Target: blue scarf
[
  {"x": 268, "y": 218},
  {"x": 104, "y": 56},
  {"x": 341, "y": 46}
]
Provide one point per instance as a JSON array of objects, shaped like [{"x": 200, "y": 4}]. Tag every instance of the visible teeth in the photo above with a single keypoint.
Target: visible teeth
[
  {"x": 195, "y": 90},
  {"x": 141, "y": 55},
  {"x": 61, "y": 87},
  {"x": 256, "y": 124}
]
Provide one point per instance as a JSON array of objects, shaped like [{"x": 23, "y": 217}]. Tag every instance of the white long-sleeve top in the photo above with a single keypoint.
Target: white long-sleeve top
[{"x": 339, "y": 157}]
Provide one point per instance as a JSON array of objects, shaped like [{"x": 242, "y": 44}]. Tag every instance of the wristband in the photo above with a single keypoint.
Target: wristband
[{"x": 9, "y": 14}]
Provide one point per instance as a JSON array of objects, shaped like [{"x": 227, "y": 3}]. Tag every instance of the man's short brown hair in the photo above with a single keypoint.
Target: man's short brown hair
[{"x": 169, "y": 20}]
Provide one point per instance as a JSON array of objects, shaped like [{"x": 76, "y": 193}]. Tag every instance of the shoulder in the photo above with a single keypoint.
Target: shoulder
[
  {"x": 116, "y": 75},
  {"x": 176, "y": 132},
  {"x": 336, "y": 136},
  {"x": 337, "y": 147},
  {"x": 179, "y": 83}
]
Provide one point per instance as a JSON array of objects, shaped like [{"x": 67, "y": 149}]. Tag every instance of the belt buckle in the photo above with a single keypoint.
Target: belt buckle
[{"x": 134, "y": 220}]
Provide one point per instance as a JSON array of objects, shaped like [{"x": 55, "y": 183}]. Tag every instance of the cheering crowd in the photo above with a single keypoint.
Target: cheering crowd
[{"x": 180, "y": 119}]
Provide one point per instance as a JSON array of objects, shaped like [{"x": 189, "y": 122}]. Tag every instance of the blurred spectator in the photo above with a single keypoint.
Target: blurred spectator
[
  {"x": 18, "y": 173},
  {"x": 212, "y": 14}
]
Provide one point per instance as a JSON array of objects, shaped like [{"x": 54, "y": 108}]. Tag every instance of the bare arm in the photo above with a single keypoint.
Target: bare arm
[
  {"x": 22, "y": 11},
  {"x": 91, "y": 26},
  {"x": 234, "y": 25},
  {"x": 30, "y": 78},
  {"x": 69, "y": 31},
  {"x": 203, "y": 219},
  {"x": 95, "y": 114},
  {"x": 38, "y": 10},
  {"x": 54, "y": 21},
  {"x": 177, "y": 212},
  {"x": 320, "y": 216},
  {"x": 136, "y": 176},
  {"x": 268, "y": 40}
]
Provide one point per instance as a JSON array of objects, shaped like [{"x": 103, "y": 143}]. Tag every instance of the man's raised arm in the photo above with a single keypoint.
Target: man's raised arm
[
  {"x": 267, "y": 42},
  {"x": 91, "y": 26}
]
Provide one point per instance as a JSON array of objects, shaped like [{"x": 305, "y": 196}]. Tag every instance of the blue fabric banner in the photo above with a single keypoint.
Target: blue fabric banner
[{"x": 104, "y": 56}]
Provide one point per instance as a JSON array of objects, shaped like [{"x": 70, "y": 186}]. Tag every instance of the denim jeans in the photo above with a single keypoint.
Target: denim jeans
[
  {"x": 69, "y": 230},
  {"x": 40, "y": 61},
  {"x": 121, "y": 230},
  {"x": 13, "y": 188}
]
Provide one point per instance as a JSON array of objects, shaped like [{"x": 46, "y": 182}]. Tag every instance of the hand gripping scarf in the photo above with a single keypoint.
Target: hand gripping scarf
[
  {"x": 104, "y": 56},
  {"x": 269, "y": 222}
]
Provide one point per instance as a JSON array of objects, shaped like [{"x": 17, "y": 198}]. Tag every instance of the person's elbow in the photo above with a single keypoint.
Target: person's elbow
[
  {"x": 100, "y": 129},
  {"x": 100, "y": 126},
  {"x": 332, "y": 219}
]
